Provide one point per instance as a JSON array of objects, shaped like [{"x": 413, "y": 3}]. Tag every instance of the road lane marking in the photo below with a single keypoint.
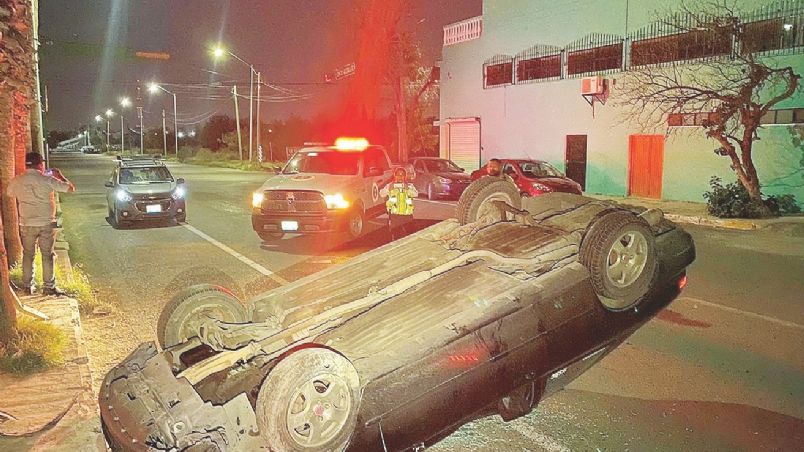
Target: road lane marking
[
  {"x": 237, "y": 255},
  {"x": 446, "y": 203},
  {"x": 545, "y": 442},
  {"x": 745, "y": 313}
]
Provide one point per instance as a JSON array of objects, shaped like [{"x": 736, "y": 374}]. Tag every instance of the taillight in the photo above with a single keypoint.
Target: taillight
[{"x": 682, "y": 282}]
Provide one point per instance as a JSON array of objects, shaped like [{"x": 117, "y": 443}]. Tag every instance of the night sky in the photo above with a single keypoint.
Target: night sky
[{"x": 88, "y": 45}]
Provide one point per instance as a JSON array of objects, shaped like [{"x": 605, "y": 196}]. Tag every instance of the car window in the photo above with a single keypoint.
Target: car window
[
  {"x": 509, "y": 169},
  {"x": 145, "y": 175},
  {"x": 539, "y": 169},
  {"x": 442, "y": 166},
  {"x": 375, "y": 158}
]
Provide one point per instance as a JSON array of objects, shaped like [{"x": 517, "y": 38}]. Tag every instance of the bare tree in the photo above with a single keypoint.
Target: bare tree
[{"x": 711, "y": 63}]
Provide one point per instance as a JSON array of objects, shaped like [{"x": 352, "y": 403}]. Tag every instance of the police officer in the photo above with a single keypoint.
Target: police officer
[
  {"x": 400, "y": 194},
  {"x": 34, "y": 190}
]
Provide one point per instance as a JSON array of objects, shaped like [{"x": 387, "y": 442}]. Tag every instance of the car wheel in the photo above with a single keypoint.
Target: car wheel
[
  {"x": 308, "y": 402},
  {"x": 119, "y": 222},
  {"x": 478, "y": 199},
  {"x": 356, "y": 222},
  {"x": 619, "y": 250},
  {"x": 188, "y": 309},
  {"x": 270, "y": 236}
]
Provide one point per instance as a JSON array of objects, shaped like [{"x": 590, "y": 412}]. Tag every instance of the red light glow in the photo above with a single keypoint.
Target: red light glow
[
  {"x": 682, "y": 282},
  {"x": 351, "y": 144}
]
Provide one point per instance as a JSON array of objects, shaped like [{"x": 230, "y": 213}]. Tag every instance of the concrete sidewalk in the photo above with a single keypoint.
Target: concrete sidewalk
[{"x": 696, "y": 213}]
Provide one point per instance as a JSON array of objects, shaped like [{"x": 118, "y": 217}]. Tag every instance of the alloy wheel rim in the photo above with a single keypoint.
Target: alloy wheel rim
[
  {"x": 318, "y": 410},
  {"x": 627, "y": 258}
]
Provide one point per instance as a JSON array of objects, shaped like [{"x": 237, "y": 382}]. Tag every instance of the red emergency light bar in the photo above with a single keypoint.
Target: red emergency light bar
[{"x": 351, "y": 144}]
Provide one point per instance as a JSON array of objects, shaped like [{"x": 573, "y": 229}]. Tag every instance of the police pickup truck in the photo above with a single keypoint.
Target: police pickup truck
[{"x": 323, "y": 189}]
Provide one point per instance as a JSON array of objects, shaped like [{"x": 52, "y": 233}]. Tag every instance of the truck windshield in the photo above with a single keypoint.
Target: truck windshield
[{"x": 328, "y": 162}]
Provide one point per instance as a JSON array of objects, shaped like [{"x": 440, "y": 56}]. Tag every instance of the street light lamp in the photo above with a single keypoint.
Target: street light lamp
[
  {"x": 154, "y": 88},
  {"x": 219, "y": 52}
]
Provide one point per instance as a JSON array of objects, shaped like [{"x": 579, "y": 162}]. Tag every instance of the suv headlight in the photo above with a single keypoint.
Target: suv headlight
[
  {"x": 257, "y": 198},
  {"x": 541, "y": 187},
  {"x": 179, "y": 192},
  {"x": 336, "y": 201},
  {"x": 122, "y": 195}
]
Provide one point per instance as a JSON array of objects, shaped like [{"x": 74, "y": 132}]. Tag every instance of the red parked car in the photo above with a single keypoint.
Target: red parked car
[{"x": 534, "y": 177}]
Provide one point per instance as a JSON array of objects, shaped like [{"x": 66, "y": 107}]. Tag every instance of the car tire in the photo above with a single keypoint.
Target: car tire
[
  {"x": 619, "y": 250},
  {"x": 183, "y": 313},
  {"x": 119, "y": 222},
  {"x": 475, "y": 200},
  {"x": 309, "y": 385},
  {"x": 356, "y": 223},
  {"x": 270, "y": 236}
]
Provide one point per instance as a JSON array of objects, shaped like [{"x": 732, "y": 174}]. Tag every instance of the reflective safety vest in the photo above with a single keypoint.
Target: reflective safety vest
[{"x": 400, "y": 201}]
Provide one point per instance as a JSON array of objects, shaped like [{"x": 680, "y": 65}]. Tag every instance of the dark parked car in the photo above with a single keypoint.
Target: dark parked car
[
  {"x": 143, "y": 189},
  {"x": 535, "y": 177},
  {"x": 439, "y": 178},
  {"x": 397, "y": 348}
]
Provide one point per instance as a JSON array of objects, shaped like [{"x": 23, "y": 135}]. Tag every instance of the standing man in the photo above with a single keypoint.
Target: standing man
[
  {"x": 35, "y": 190},
  {"x": 400, "y": 194}
]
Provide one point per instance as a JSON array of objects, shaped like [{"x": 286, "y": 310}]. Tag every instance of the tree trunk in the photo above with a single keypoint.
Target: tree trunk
[
  {"x": 8, "y": 307},
  {"x": 12, "y": 161}
]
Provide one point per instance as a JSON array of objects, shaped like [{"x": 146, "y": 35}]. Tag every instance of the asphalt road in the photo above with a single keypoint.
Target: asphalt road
[{"x": 720, "y": 369}]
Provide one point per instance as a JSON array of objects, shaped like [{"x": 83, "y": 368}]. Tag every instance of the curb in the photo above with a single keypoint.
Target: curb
[{"x": 742, "y": 225}]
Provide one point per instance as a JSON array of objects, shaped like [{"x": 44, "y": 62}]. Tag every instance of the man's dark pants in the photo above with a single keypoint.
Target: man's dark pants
[{"x": 397, "y": 225}]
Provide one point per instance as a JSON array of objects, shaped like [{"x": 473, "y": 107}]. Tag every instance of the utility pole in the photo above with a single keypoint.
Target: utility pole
[
  {"x": 122, "y": 134},
  {"x": 259, "y": 84},
  {"x": 237, "y": 123},
  {"x": 175, "y": 125},
  {"x": 142, "y": 142},
  {"x": 250, "y": 114},
  {"x": 164, "y": 133},
  {"x": 36, "y": 114},
  {"x": 107, "y": 135}
]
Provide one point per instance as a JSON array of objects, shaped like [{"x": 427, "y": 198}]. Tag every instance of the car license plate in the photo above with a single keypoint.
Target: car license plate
[
  {"x": 290, "y": 225},
  {"x": 153, "y": 208}
]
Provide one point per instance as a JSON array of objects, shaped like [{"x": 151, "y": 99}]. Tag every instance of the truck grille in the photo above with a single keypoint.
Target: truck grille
[{"x": 294, "y": 201}]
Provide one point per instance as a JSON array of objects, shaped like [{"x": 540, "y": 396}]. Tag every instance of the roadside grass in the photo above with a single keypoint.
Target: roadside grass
[
  {"x": 38, "y": 346},
  {"x": 77, "y": 287}
]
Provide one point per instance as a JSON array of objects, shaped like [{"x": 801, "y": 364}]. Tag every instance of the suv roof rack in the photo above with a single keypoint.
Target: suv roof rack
[{"x": 143, "y": 159}]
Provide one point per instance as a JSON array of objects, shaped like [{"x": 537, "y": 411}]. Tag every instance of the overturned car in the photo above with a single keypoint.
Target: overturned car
[{"x": 397, "y": 348}]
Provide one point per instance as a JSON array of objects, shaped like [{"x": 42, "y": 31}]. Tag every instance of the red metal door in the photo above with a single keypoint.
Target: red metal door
[{"x": 645, "y": 159}]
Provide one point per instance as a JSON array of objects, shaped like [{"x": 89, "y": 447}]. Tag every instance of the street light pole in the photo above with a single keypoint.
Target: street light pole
[
  {"x": 122, "y": 134},
  {"x": 142, "y": 142},
  {"x": 237, "y": 122},
  {"x": 250, "y": 112},
  {"x": 259, "y": 78},
  {"x": 175, "y": 125},
  {"x": 164, "y": 133}
]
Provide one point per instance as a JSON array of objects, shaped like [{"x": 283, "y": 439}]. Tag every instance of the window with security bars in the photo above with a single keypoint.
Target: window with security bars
[
  {"x": 498, "y": 74},
  {"x": 679, "y": 47},
  {"x": 783, "y": 116},
  {"x": 596, "y": 59},
  {"x": 774, "y": 34},
  {"x": 691, "y": 119},
  {"x": 538, "y": 68}
]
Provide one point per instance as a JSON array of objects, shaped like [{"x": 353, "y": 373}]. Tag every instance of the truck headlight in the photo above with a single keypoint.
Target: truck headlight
[
  {"x": 257, "y": 198},
  {"x": 122, "y": 195},
  {"x": 336, "y": 201},
  {"x": 179, "y": 192}
]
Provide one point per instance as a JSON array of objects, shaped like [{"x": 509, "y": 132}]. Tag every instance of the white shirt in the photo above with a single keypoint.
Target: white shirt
[{"x": 35, "y": 193}]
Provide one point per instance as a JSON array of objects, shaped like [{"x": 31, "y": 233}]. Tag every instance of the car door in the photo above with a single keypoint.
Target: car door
[
  {"x": 374, "y": 158},
  {"x": 422, "y": 178},
  {"x": 110, "y": 190}
]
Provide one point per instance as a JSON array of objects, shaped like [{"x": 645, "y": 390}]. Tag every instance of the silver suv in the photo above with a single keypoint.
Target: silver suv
[
  {"x": 323, "y": 189},
  {"x": 143, "y": 189}
]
